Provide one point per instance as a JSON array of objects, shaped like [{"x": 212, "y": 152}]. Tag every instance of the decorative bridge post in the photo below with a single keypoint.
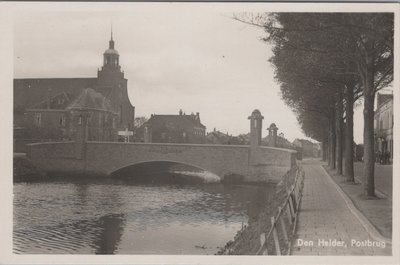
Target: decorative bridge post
[
  {"x": 255, "y": 136},
  {"x": 273, "y": 135}
]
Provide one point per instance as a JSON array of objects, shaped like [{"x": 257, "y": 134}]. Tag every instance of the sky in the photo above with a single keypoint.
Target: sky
[{"x": 175, "y": 56}]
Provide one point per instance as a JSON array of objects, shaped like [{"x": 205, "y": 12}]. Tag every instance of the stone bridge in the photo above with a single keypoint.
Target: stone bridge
[{"x": 252, "y": 163}]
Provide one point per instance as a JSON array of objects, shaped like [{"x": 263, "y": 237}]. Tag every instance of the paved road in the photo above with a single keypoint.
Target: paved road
[
  {"x": 325, "y": 222},
  {"x": 383, "y": 177}
]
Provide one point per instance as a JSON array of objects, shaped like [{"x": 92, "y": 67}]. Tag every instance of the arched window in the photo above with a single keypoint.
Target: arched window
[{"x": 80, "y": 120}]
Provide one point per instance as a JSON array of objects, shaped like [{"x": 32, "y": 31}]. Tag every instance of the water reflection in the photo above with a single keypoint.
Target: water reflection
[
  {"x": 112, "y": 229},
  {"x": 120, "y": 217}
]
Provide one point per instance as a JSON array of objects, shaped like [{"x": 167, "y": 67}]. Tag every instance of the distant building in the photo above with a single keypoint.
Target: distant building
[
  {"x": 179, "y": 128},
  {"x": 383, "y": 128},
  {"x": 307, "y": 148},
  {"x": 217, "y": 137},
  {"x": 281, "y": 142},
  {"x": 45, "y": 108}
]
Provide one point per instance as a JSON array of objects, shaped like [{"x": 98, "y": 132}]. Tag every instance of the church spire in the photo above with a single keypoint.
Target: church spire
[
  {"x": 111, "y": 46},
  {"x": 111, "y": 32}
]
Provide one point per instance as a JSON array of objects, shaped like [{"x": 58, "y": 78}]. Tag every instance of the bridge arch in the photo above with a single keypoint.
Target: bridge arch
[{"x": 161, "y": 170}]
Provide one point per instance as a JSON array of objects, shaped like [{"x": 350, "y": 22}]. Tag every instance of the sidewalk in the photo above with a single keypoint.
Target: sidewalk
[{"x": 326, "y": 226}]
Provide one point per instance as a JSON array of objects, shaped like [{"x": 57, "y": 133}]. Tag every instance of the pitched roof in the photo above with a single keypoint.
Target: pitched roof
[
  {"x": 32, "y": 91},
  {"x": 176, "y": 121},
  {"x": 383, "y": 98},
  {"x": 59, "y": 101},
  {"x": 90, "y": 99}
]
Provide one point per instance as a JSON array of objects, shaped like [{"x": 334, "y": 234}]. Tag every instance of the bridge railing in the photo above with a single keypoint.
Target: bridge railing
[{"x": 279, "y": 237}]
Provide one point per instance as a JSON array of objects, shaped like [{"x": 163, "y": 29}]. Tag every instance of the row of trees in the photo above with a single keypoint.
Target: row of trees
[{"x": 324, "y": 62}]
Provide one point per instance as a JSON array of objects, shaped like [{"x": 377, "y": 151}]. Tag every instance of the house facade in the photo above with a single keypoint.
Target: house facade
[
  {"x": 383, "y": 128},
  {"x": 179, "y": 128},
  {"x": 307, "y": 148}
]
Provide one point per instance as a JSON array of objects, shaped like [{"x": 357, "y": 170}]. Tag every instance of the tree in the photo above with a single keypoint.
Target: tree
[
  {"x": 139, "y": 128},
  {"x": 139, "y": 121},
  {"x": 373, "y": 35},
  {"x": 338, "y": 56}
]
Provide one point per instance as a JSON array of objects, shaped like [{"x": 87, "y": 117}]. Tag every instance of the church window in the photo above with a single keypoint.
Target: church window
[
  {"x": 80, "y": 120},
  {"x": 62, "y": 120},
  {"x": 89, "y": 119},
  {"x": 38, "y": 119}
]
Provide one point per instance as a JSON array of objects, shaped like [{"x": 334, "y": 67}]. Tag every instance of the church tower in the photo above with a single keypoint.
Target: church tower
[
  {"x": 111, "y": 56},
  {"x": 112, "y": 84},
  {"x": 110, "y": 73}
]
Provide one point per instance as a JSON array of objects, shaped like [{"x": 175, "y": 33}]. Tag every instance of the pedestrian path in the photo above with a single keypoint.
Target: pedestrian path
[{"x": 326, "y": 226}]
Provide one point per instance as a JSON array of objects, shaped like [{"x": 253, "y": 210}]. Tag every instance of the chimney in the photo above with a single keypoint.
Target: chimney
[
  {"x": 197, "y": 116},
  {"x": 180, "y": 112}
]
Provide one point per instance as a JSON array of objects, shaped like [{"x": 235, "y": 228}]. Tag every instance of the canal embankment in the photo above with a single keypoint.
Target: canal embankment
[
  {"x": 25, "y": 170},
  {"x": 247, "y": 240}
]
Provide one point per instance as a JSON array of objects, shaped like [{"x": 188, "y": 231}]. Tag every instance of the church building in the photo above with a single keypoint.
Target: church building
[{"x": 51, "y": 109}]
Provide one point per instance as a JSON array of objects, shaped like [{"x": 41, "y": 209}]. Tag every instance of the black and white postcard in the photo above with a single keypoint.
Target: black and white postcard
[{"x": 199, "y": 133}]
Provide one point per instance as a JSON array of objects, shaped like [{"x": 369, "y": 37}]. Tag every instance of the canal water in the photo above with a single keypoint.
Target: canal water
[{"x": 115, "y": 216}]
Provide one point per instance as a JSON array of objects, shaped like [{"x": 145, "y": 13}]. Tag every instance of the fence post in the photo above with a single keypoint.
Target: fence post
[
  {"x": 275, "y": 234},
  {"x": 263, "y": 245},
  {"x": 289, "y": 213},
  {"x": 283, "y": 225},
  {"x": 292, "y": 210}
]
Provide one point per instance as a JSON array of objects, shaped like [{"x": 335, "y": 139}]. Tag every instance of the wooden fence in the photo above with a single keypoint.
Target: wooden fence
[{"x": 283, "y": 224}]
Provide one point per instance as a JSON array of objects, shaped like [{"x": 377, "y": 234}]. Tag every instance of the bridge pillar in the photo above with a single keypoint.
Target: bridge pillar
[
  {"x": 81, "y": 136},
  {"x": 273, "y": 134},
  {"x": 255, "y": 136}
]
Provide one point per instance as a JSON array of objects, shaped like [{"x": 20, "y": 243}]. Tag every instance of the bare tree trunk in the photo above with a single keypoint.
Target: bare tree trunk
[
  {"x": 349, "y": 136},
  {"x": 339, "y": 134},
  {"x": 328, "y": 147},
  {"x": 324, "y": 150},
  {"x": 332, "y": 146},
  {"x": 369, "y": 154}
]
